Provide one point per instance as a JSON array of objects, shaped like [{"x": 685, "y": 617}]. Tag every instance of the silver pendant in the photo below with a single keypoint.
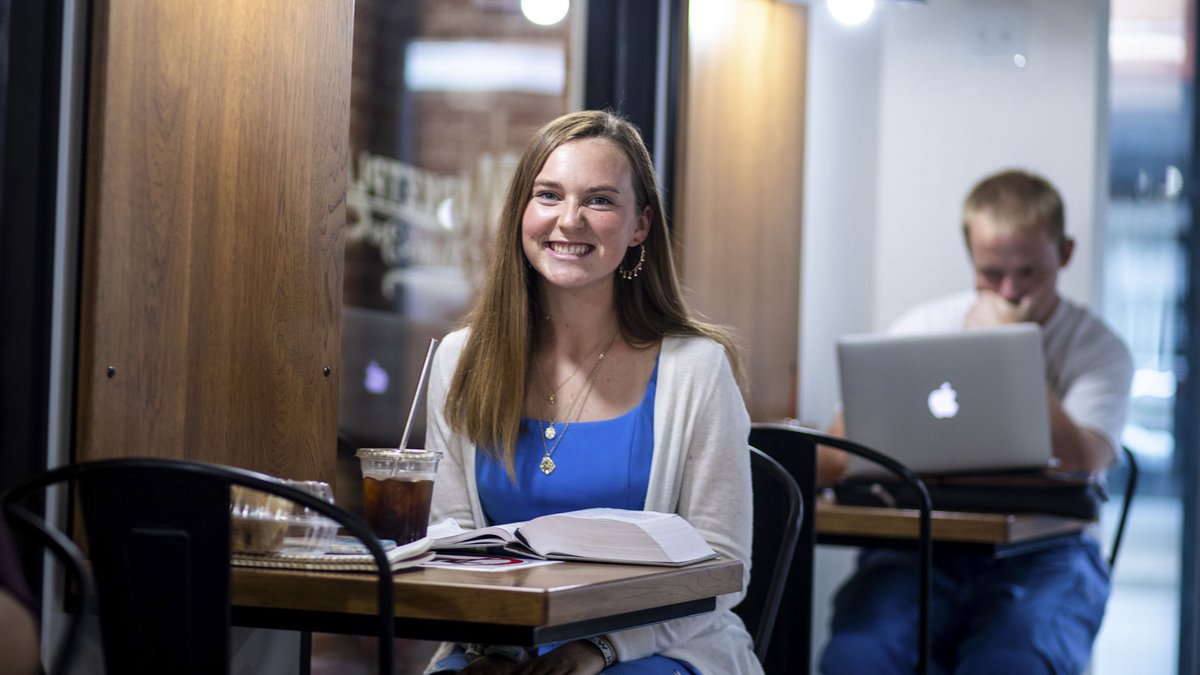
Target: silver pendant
[
  {"x": 550, "y": 432},
  {"x": 547, "y": 465}
]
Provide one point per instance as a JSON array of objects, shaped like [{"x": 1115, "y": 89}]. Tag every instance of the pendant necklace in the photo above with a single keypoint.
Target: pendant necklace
[
  {"x": 553, "y": 397},
  {"x": 547, "y": 464},
  {"x": 574, "y": 412},
  {"x": 550, "y": 431}
]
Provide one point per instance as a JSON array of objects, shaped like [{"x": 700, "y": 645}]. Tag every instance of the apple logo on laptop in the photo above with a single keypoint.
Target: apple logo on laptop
[{"x": 943, "y": 401}]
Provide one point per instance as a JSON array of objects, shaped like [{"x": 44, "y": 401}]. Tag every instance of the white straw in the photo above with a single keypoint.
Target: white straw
[{"x": 417, "y": 395}]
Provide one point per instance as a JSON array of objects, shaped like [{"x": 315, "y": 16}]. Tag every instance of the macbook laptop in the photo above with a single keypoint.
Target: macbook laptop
[{"x": 967, "y": 401}]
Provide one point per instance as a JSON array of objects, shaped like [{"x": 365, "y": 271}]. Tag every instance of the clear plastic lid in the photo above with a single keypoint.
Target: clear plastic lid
[{"x": 397, "y": 454}]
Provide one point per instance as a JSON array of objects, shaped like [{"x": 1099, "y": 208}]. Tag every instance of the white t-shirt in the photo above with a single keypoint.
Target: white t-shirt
[{"x": 1087, "y": 366}]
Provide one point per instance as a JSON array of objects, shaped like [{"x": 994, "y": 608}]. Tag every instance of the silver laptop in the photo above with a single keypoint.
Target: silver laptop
[{"x": 967, "y": 401}]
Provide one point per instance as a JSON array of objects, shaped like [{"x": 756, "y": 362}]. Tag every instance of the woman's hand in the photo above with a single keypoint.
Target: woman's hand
[
  {"x": 491, "y": 665},
  {"x": 573, "y": 658}
]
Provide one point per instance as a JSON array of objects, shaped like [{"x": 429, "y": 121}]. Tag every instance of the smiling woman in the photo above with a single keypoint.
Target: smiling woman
[
  {"x": 583, "y": 381},
  {"x": 582, "y": 218}
]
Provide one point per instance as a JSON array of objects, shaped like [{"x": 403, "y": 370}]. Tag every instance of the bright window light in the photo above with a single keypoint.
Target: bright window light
[
  {"x": 1153, "y": 383},
  {"x": 851, "y": 12},
  {"x": 485, "y": 66},
  {"x": 545, "y": 12},
  {"x": 709, "y": 21},
  {"x": 1147, "y": 46}
]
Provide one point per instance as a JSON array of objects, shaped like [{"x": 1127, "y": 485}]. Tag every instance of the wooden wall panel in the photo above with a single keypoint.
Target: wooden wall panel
[
  {"x": 214, "y": 208},
  {"x": 740, "y": 179}
]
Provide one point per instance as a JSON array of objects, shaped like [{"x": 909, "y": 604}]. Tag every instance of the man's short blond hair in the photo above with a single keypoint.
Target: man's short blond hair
[{"x": 1018, "y": 200}]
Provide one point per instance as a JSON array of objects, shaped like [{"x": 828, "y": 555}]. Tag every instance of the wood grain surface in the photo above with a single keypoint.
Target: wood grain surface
[
  {"x": 538, "y": 596},
  {"x": 741, "y": 175},
  {"x": 214, "y": 208},
  {"x": 949, "y": 526}
]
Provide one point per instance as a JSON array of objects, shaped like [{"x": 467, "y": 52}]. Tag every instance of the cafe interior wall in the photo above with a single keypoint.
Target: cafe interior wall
[{"x": 904, "y": 114}]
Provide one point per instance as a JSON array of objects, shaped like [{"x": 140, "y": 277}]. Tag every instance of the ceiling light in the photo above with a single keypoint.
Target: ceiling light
[{"x": 545, "y": 12}]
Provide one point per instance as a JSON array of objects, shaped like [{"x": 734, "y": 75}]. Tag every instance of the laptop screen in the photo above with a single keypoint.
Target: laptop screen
[{"x": 962, "y": 401}]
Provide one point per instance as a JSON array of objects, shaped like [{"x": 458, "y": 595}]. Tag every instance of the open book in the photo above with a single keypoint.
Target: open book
[{"x": 595, "y": 535}]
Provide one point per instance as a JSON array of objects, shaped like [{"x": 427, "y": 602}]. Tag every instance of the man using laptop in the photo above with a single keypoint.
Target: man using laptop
[{"x": 1032, "y": 613}]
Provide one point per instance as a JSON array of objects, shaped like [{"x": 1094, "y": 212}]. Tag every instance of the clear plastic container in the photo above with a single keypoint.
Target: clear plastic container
[{"x": 265, "y": 523}]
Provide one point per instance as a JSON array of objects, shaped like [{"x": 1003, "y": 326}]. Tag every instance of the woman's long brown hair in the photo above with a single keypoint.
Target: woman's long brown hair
[{"x": 487, "y": 392}]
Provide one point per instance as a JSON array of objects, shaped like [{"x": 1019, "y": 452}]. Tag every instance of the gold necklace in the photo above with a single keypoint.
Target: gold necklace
[
  {"x": 553, "y": 397},
  {"x": 554, "y": 392},
  {"x": 574, "y": 412},
  {"x": 550, "y": 432}
]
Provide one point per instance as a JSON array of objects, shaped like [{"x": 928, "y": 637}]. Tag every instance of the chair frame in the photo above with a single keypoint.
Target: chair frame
[
  {"x": 1130, "y": 488},
  {"x": 73, "y": 474},
  {"x": 925, "y": 509},
  {"x": 72, "y": 560},
  {"x": 789, "y": 533}
]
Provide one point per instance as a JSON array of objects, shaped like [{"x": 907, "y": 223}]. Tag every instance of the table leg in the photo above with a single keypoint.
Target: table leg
[{"x": 305, "y": 652}]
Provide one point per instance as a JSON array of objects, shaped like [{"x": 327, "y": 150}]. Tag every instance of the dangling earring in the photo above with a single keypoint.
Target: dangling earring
[{"x": 629, "y": 275}]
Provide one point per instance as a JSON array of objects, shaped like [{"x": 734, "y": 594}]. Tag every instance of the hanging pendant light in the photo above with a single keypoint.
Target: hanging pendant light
[{"x": 852, "y": 12}]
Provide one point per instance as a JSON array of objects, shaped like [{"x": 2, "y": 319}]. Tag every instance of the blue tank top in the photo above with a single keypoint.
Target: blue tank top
[{"x": 597, "y": 464}]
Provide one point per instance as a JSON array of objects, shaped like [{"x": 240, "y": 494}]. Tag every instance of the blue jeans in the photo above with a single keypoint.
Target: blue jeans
[{"x": 1032, "y": 613}]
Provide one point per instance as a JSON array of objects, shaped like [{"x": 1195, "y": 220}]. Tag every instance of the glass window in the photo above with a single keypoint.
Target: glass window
[
  {"x": 1148, "y": 215},
  {"x": 445, "y": 94}
]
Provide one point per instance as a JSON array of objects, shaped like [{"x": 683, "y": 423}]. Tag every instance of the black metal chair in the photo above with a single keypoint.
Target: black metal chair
[
  {"x": 71, "y": 559},
  {"x": 778, "y": 512},
  {"x": 1131, "y": 481},
  {"x": 158, "y": 540},
  {"x": 795, "y": 448}
]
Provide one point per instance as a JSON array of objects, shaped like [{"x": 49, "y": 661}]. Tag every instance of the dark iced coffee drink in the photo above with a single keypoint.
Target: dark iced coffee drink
[
  {"x": 398, "y": 508},
  {"x": 397, "y": 491}
]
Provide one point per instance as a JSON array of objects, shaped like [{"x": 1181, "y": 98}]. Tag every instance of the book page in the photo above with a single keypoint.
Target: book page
[
  {"x": 449, "y": 534},
  {"x": 615, "y": 535},
  {"x": 483, "y": 562}
]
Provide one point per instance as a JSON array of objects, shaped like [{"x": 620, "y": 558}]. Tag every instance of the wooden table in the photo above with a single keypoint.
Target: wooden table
[
  {"x": 1004, "y": 534},
  {"x": 536, "y": 605}
]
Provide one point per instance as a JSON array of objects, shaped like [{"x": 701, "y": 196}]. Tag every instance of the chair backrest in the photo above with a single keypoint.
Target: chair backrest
[
  {"x": 1131, "y": 481},
  {"x": 789, "y": 645},
  {"x": 158, "y": 539},
  {"x": 778, "y": 512},
  {"x": 795, "y": 448}
]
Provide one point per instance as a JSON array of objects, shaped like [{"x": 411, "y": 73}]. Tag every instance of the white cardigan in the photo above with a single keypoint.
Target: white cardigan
[{"x": 700, "y": 470}]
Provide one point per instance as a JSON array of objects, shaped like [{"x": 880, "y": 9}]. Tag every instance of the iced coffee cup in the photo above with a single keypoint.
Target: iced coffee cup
[{"x": 397, "y": 491}]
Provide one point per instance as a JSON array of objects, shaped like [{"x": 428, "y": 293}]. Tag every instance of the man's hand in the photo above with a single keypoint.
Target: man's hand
[
  {"x": 831, "y": 462},
  {"x": 991, "y": 310}
]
